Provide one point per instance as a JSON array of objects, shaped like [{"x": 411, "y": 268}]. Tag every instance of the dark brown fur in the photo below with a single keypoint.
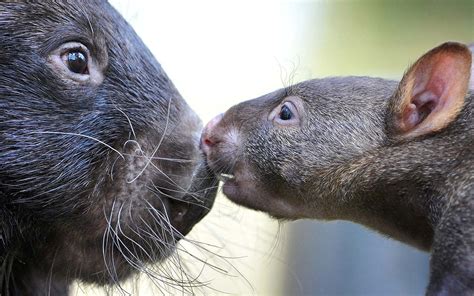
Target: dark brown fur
[
  {"x": 101, "y": 176},
  {"x": 352, "y": 155}
]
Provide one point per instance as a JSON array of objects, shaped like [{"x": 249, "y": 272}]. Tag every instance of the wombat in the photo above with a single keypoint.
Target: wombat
[
  {"x": 100, "y": 168},
  {"x": 395, "y": 157}
]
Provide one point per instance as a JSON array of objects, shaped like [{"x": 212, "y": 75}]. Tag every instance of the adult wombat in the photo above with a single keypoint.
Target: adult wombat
[
  {"x": 100, "y": 167},
  {"x": 396, "y": 157}
]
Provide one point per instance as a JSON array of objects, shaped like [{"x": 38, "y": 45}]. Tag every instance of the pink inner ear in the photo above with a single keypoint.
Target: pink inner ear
[
  {"x": 432, "y": 92},
  {"x": 431, "y": 89},
  {"x": 420, "y": 107}
]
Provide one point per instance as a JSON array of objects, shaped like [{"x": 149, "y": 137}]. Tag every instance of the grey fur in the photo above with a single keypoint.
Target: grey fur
[{"x": 344, "y": 161}]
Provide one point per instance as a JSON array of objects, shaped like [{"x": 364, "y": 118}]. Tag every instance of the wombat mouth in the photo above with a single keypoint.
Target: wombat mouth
[
  {"x": 236, "y": 184},
  {"x": 226, "y": 177},
  {"x": 190, "y": 208}
]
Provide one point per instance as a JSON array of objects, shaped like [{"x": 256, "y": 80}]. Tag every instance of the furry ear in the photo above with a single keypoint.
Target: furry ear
[
  {"x": 431, "y": 93},
  {"x": 471, "y": 81}
]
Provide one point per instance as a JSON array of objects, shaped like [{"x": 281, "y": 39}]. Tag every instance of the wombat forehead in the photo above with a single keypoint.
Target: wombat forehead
[
  {"x": 46, "y": 25},
  {"x": 347, "y": 87}
]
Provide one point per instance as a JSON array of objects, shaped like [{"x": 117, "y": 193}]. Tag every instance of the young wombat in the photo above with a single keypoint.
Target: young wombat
[
  {"x": 396, "y": 157},
  {"x": 100, "y": 167}
]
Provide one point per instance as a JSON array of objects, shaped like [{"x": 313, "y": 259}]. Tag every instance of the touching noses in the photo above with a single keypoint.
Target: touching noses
[{"x": 208, "y": 137}]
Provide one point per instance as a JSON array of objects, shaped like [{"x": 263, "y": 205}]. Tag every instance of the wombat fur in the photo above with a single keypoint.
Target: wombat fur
[
  {"x": 100, "y": 167},
  {"x": 395, "y": 157}
]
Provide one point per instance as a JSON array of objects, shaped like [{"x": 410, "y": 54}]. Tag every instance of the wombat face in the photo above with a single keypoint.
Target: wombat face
[
  {"x": 277, "y": 145},
  {"x": 99, "y": 154}
]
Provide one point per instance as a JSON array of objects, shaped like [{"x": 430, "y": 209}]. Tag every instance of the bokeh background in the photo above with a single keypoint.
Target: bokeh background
[{"x": 219, "y": 53}]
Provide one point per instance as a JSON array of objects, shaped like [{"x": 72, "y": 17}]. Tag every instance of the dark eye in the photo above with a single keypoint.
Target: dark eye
[
  {"x": 77, "y": 61},
  {"x": 285, "y": 113}
]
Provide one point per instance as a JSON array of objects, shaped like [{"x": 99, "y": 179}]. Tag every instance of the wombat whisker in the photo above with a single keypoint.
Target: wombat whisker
[
  {"x": 202, "y": 247},
  {"x": 150, "y": 235},
  {"x": 159, "y": 143},
  {"x": 161, "y": 240},
  {"x": 287, "y": 78},
  {"x": 176, "y": 263},
  {"x": 222, "y": 166},
  {"x": 181, "y": 189},
  {"x": 159, "y": 193},
  {"x": 195, "y": 279},
  {"x": 166, "y": 176},
  {"x": 193, "y": 282},
  {"x": 194, "y": 241},
  {"x": 134, "y": 243},
  {"x": 178, "y": 160},
  {"x": 195, "y": 193},
  {"x": 84, "y": 136},
  {"x": 118, "y": 242},
  {"x": 139, "y": 147},
  {"x": 128, "y": 119},
  {"x": 206, "y": 262},
  {"x": 164, "y": 217},
  {"x": 186, "y": 281},
  {"x": 164, "y": 222},
  {"x": 227, "y": 261},
  {"x": 112, "y": 167},
  {"x": 167, "y": 189},
  {"x": 108, "y": 234},
  {"x": 153, "y": 236},
  {"x": 184, "y": 285},
  {"x": 50, "y": 273},
  {"x": 276, "y": 242}
]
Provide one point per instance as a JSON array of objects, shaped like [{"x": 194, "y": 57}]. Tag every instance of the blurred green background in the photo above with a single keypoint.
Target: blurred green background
[
  {"x": 219, "y": 53},
  {"x": 382, "y": 37}
]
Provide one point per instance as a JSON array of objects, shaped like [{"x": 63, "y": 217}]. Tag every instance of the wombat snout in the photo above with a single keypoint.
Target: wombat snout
[{"x": 207, "y": 139}]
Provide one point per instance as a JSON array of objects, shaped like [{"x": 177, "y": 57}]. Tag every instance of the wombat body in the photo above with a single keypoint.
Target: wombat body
[
  {"x": 100, "y": 168},
  {"x": 396, "y": 157}
]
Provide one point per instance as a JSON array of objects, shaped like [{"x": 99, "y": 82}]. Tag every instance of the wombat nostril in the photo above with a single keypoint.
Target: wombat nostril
[{"x": 208, "y": 142}]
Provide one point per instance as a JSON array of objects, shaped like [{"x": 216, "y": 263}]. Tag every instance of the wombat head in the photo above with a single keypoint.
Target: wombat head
[
  {"x": 99, "y": 153},
  {"x": 294, "y": 152},
  {"x": 270, "y": 148}
]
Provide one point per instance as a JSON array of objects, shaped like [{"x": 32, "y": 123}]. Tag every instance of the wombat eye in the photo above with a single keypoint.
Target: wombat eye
[
  {"x": 73, "y": 62},
  {"x": 77, "y": 61},
  {"x": 285, "y": 113}
]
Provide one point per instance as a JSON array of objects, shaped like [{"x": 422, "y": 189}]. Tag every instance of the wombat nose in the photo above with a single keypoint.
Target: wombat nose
[{"x": 207, "y": 141}]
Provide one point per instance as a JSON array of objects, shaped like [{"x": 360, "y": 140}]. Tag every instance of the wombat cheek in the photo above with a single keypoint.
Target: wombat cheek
[{"x": 242, "y": 193}]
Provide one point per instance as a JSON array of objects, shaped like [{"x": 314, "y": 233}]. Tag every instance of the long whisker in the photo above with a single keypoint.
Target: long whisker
[
  {"x": 159, "y": 143},
  {"x": 128, "y": 119},
  {"x": 84, "y": 136}
]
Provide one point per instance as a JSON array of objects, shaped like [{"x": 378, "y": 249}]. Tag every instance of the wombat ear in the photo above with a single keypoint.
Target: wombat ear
[
  {"x": 471, "y": 81},
  {"x": 431, "y": 93}
]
